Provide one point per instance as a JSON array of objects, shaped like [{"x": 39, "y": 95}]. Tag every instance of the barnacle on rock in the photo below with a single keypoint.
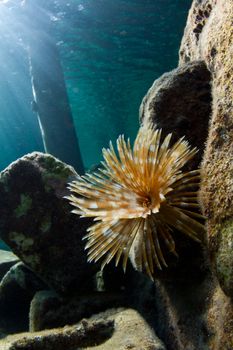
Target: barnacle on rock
[{"x": 139, "y": 195}]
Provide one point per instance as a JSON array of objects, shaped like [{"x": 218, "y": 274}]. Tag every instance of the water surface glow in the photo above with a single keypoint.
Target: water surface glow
[{"x": 111, "y": 52}]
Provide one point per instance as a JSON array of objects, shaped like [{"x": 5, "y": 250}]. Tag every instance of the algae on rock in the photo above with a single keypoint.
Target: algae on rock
[{"x": 213, "y": 44}]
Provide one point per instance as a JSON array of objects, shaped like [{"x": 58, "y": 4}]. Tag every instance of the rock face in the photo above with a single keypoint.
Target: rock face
[
  {"x": 16, "y": 291},
  {"x": 68, "y": 338},
  {"x": 48, "y": 310},
  {"x": 36, "y": 222},
  {"x": 209, "y": 37},
  {"x": 207, "y": 41},
  {"x": 180, "y": 102},
  {"x": 119, "y": 329}
]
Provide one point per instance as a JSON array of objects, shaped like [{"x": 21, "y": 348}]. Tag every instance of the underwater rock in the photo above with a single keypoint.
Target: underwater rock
[
  {"x": 213, "y": 44},
  {"x": 208, "y": 36},
  {"x": 223, "y": 256},
  {"x": 36, "y": 223},
  {"x": 197, "y": 22},
  {"x": 84, "y": 334},
  {"x": 119, "y": 329},
  {"x": 16, "y": 292},
  {"x": 180, "y": 102},
  {"x": 193, "y": 313},
  {"x": 7, "y": 260},
  {"x": 43, "y": 303},
  {"x": 176, "y": 308},
  {"x": 48, "y": 310},
  {"x": 219, "y": 319}
]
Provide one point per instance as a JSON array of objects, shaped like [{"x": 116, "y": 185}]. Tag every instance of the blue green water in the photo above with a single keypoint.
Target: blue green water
[{"x": 111, "y": 52}]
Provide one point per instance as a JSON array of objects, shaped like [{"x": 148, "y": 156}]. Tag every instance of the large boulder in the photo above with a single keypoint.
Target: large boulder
[
  {"x": 180, "y": 102},
  {"x": 37, "y": 224},
  {"x": 119, "y": 329},
  {"x": 48, "y": 310},
  {"x": 194, "y": 313},
  {"x": 209, "y": 36},
  {"x": 17, "y": 289}
]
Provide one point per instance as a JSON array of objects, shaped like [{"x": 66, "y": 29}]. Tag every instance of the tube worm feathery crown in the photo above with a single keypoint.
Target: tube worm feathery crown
[{"x": 141, "y": 194}]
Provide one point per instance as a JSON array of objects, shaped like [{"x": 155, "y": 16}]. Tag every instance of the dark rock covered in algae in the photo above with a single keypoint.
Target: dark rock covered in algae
[
  {"x": 36, "y": 223},
  {"x": 180, "y": 102},
  {"x": 17, "y": 288}
]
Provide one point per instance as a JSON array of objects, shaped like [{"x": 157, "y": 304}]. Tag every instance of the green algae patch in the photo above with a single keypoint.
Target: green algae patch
[
  {"x": 32, "y": 259},
  {"x": 21, "y": 240},
  {"x": 56, "y": 169},
  {"x": 24, "y": 206},
  {"x": 224, "y": 257},
  {"x": 46, "y": 224},
  {"x": 55, "y": 174}
]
